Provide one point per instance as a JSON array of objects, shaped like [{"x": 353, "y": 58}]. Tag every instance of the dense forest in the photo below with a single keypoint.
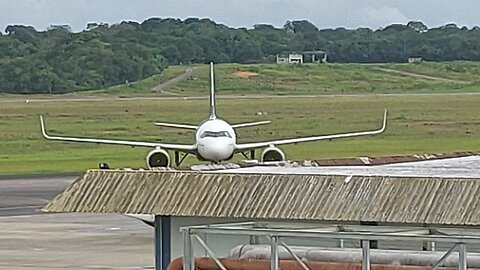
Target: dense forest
[{"x": 58, "y": 60}]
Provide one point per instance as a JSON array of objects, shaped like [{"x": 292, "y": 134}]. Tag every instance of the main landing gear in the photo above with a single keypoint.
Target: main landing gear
[
  {"x": 179, "y": 158},
  {"x": 252, "y": 154}
]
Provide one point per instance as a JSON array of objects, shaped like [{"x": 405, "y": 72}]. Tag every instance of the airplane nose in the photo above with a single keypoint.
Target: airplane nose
[{"x": 216, "y": 150}]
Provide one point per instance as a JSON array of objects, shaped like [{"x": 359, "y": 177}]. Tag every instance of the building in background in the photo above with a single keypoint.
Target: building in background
[{"x": 302, "y": 57}]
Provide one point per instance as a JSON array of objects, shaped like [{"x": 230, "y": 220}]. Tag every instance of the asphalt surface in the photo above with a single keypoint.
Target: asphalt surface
[
  {"x": 31, "y": 239},
  {"x": 26, "y": 196}
]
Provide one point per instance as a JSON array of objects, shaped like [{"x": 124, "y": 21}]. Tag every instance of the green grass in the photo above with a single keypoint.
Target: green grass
[
  {"x": 417, "y": 125},
  {"x": 143, "y": 86},
  {"x": 308, "y": 79},
  {"x": 330, "y": 79}
]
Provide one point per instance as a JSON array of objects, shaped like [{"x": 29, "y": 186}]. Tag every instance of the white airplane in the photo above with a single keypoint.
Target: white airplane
[{"x": 215, "y": 140}]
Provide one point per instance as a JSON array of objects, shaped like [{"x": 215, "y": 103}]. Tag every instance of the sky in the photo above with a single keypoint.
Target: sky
[{"x": 242, "y": 13}]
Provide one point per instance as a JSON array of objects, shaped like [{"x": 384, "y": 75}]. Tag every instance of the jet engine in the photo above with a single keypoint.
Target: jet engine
[
  {"x": 272, "y": 153},
  {"x": 158, "y": 158}
]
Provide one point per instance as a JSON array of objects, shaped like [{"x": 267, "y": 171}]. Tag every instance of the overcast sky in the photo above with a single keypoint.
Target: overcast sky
[{"x": 242, "y": 13}]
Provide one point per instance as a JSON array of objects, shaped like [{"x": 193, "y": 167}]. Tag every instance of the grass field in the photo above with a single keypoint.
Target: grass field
[
  {"x": 418, "y": 124},
  {"x": 316, "y": 79}
]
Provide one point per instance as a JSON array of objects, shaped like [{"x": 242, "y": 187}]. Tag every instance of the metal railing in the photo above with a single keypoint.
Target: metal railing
[{"x": 365, "y": 235}]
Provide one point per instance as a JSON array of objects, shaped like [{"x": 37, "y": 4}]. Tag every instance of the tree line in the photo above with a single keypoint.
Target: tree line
[{"x": 58, "y": 60}]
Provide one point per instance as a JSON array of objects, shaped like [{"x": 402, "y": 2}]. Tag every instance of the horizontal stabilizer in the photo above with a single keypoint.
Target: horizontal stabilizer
[
  {"x": 251, "y": 124},
  {"x": 172, "y": 125}
]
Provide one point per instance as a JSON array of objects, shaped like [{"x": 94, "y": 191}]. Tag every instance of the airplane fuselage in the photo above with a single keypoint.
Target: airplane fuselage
[{"x": 215, "y": 140}]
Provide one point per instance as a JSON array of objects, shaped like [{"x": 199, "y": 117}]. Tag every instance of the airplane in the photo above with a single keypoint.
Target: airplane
[{"x": 215, "y": 140}]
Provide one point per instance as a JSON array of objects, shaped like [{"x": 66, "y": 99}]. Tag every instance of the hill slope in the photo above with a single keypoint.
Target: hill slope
[{"x": 315, "y": 79}]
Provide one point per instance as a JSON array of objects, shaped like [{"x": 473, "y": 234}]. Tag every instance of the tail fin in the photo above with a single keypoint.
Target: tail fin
[{"x": 213, "y": 113}]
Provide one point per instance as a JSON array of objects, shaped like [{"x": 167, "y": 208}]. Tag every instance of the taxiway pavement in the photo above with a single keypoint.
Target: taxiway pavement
[{"x": 30, "y": 239}]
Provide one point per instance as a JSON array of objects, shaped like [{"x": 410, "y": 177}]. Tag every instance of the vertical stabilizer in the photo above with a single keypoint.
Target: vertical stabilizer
[{"x": 213, "y": 113}]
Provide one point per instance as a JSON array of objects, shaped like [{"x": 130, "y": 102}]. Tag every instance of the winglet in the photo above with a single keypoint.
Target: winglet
[
  {"x": 42, "y": 127},
  {"x": 384, "y": 125},
  {"x": 213, "y": 114}
]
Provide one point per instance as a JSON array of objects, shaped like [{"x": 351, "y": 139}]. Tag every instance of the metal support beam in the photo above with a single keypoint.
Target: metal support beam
[
  {"x": 162, "y": 242},
  {"x": 274, "y": 264},
  {"x": 373, "y": 243},
  {"x": 365, "y": 254},
  {"x": 444, "y": 257},
  {"x": 302, "y": 264},
  {"x": 462, "y": 257},
  {"x": 188, "y": 256},
  {"x": 210, "y": 252},
  {"x": 328, "y": 234}
]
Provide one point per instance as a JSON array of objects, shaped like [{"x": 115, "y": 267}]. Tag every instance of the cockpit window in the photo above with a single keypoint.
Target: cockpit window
[{"x": 215, "y": 134}]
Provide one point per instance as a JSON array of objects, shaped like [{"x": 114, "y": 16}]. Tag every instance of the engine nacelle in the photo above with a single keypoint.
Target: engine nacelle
[
  {"x": 272, "y": 153},
  {"x": 158, "y": 158}
]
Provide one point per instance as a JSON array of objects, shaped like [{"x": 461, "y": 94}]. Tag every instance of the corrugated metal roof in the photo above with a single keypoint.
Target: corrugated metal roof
[{"x": 433, "y": 201}]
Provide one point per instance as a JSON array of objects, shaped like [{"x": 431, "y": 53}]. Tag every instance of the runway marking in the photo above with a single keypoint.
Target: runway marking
[{"x": 113, "y": 98}]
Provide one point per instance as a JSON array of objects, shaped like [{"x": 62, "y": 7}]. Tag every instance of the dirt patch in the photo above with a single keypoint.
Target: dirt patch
[{"x": 245, "y": 74}]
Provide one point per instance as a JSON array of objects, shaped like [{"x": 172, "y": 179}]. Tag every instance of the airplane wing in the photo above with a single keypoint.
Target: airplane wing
[
  {"x": 251, "y": 124},
  {"x": 172, "y": 125},
  {"x": 178, "y": 147},
  {"x": 250, "y": 146}
]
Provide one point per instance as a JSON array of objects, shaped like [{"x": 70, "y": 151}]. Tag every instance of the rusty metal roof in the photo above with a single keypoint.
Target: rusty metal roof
[{"x": 433, "y": 201}]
